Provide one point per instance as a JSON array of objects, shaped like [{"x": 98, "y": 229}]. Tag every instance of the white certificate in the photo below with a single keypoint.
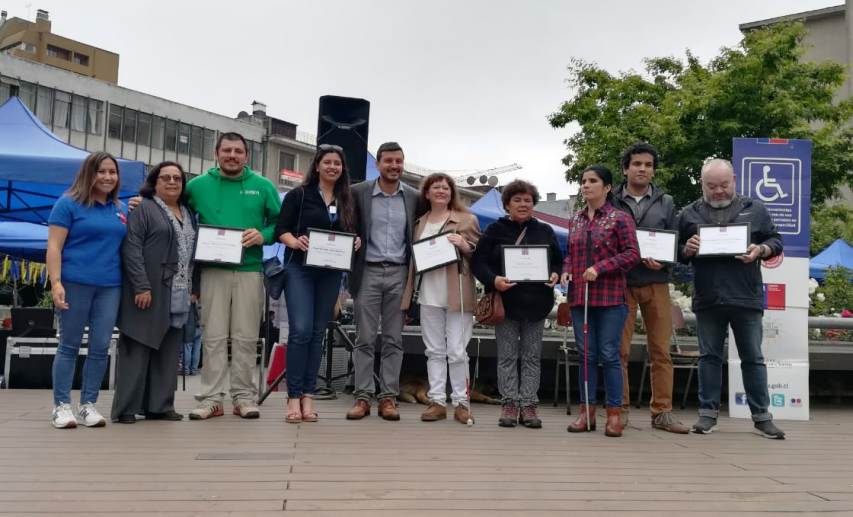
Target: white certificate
[
  {"x": 330, "y": 250},
  {"x": 434, "y": 252},
  {"x": 659, "y": 245},
  {"x": 730, "y": 239},
  {"x": 526, "y": 264},
  {"x": 218, "y": 245}
]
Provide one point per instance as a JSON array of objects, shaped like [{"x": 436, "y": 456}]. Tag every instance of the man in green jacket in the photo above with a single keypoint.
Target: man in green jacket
[{"x": 232, "y": 296}]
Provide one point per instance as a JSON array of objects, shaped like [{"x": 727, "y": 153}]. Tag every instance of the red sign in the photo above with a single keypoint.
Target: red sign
[{"x": 774, "y": 297}]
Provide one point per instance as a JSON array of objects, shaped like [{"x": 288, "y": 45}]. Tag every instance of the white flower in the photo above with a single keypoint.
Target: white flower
[
  {"x": 812, "y": 286},
  {"x": 821, "y": 297}
]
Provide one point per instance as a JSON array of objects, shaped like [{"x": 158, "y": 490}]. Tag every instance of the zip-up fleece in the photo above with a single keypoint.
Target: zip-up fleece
[
  {"x": 726, "y": 280},
  {"x": 660, "y": 215},
  {"x": 247, "y": 201}
]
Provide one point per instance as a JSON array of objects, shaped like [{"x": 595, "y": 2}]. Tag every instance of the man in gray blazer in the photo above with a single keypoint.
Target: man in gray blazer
[{"x": 385, "y": 214}]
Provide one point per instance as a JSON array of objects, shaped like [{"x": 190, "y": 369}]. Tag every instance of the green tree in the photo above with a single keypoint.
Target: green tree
[
  {"x": 691, "y": 111},
  {"x": 830, "y": 222}
]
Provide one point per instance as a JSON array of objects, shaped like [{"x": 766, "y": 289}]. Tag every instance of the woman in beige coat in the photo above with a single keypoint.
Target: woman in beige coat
[{"x": 446, "y": 317}]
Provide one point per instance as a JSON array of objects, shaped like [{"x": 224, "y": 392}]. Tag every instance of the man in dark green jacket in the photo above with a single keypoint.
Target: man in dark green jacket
[{"x": 232, "y": 296}]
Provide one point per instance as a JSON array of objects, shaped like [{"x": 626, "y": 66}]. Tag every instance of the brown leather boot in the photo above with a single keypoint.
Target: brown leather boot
[
  {"x": 461, "y": 414},
  {"x": 434, "y": 412},
  {"x": 388, "y": 409},
  {"x": 579, "y": 425},
  {"x": 613, "y": 427},
  {"x": 359, "y": 410}
]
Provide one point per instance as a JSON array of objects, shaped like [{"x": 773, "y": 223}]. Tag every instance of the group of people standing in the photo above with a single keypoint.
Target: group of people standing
[{"x": 107, "y": 265}]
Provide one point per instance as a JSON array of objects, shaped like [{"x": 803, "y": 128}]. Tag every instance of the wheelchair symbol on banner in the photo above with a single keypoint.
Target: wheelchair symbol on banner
[{"x": 768, "y": 184}]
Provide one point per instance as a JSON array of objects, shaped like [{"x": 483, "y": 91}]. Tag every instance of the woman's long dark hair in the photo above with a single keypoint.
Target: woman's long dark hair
[
  {"x": 148, "y": 189},
  {"x": 605, "y": 176},
  {"x": 343, "y": 197}
]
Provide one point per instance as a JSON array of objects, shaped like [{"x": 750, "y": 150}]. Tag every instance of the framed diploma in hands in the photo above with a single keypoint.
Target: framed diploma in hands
[
  {"x": 218, "y": 245},
  {"x": 526, "y": 264},
  {"x": 330, "y": 250},
  {"x": 659, "y": 245},
  {"x": 726, "y": 240},
  {"x": 434, "y": 252}
]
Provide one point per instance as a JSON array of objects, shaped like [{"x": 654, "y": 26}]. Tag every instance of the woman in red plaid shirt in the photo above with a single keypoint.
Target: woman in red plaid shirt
[{"x": 602, "y": 248}]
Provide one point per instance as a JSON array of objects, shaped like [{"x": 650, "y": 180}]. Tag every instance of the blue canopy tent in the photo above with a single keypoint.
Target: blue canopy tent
[
  {"x": 489, "y": 209},
  {"x": 839, "y": 253},
  {"x": 36, "y": 167},
  {"x": 23, "y": 240}
]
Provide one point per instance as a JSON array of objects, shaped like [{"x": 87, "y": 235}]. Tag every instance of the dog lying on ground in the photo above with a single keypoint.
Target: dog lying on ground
[{"x": 415, "y": 390}]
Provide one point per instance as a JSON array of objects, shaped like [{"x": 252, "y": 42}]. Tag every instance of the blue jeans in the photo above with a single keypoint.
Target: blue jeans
[
  {"x": 712, "y": 326},
  {"x": 604, "y": 340},
  {"x": 310, "y": 294},
  {"x": 96, "y": 307},
  {"x": 192, "y": 354}
]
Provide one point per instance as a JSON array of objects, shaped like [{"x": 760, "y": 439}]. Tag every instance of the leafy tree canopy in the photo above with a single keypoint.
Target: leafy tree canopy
[
  {"x": 690, "y": 111},
  {"x": 829, "y": 223}
]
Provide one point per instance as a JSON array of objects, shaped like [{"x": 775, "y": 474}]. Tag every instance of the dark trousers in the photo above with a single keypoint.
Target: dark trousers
[{"x": 145, "y": 377}]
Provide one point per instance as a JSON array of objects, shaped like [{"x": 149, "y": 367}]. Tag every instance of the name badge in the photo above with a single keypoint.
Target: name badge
[{"x": 333, "y": 210}]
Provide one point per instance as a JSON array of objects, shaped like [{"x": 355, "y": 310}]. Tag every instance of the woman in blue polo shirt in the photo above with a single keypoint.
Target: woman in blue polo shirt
[{"x": 87, "y": 226}]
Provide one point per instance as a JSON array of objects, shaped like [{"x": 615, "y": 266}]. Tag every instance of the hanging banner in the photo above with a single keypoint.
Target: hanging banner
[{"x": 777, "y": 172}]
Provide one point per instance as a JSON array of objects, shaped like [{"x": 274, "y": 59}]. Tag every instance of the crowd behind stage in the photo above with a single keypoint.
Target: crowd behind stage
[{"x": 140, "y": 267}]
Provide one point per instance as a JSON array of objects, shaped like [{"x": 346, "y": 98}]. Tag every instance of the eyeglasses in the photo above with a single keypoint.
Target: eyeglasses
[
  {"x": 166, "y": 178},
  {"x": 330, "y": 147}
]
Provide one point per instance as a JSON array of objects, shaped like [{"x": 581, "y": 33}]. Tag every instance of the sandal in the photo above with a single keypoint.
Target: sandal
[
  {"x": 294, "y": 416},
  {"x": 309, "y": 415}
]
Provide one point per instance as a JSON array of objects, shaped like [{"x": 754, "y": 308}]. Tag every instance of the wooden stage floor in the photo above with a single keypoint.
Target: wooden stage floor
[{"x": 229, "y": 466}]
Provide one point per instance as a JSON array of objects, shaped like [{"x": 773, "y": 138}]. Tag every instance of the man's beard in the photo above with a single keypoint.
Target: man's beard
[{"x": 719, "y": 204}]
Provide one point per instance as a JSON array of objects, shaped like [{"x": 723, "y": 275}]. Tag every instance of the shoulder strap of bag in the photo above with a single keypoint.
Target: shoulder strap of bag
[{"x": 521, "y": 236}]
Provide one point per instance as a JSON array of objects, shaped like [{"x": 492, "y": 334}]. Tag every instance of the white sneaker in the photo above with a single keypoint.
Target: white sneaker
[
  {"x": 63, "y": 417},
  {"x": 88, "y": 413}
]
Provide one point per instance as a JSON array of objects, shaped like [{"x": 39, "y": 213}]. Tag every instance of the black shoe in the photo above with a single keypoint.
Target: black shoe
[
  {"x": 705, "y": 425},
  {"x": 171, "y": 416},
  {"x": 126, "y": 419},
  {"x": 768, "y": 429}
]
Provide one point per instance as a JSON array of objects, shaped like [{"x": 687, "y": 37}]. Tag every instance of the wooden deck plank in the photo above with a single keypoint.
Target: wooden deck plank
[{"x": 335, "y": 467}]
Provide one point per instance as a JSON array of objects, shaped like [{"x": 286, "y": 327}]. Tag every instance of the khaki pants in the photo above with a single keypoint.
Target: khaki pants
[
  {"x": 231, "y": 306},
  {"x": 655, "y": 307}
]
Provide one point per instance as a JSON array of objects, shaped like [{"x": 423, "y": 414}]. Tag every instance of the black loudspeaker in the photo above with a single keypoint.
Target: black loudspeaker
[{"x": 344, "y": 121}]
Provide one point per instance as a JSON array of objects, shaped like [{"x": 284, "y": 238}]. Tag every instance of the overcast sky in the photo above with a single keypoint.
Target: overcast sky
[{"x": 460, "y": 84}]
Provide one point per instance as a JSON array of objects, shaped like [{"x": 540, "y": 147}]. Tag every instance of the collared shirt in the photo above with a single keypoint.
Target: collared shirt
[
  {"x": 638, "y": 206},
  {"x": 387, "y": 239},
  {"x": 610, "y": 239}
]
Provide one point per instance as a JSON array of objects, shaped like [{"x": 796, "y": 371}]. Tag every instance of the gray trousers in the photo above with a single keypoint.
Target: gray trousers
[
  {"x": 378, "y": 300},
  {"x": 519, "y": 360},
  {"x": 146, "y": 379}
]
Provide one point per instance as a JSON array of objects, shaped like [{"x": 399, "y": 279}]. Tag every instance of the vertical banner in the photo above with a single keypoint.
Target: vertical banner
[{"x": 777, "y": 172}]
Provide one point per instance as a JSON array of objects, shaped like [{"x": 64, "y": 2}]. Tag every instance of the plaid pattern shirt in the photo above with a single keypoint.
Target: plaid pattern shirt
[{"x": 613, "y": 251}]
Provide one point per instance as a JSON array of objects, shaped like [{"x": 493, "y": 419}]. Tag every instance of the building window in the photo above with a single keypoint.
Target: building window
[
  {"x": 27, "y": 94},
  {"x": 114, "y": 126},
  {"x": 61, "y": 108},
  {"x": 78, "y": 113},
  {"x": 184, "y": 139},
  {"x": 5, "y": 92},
  {"x": 28, "y": 47},
  {"x": 59, "y": 52},
  {"x": 44, "y": 105},
  {"x": 286, "y": 161},
  {"x": 94, "y": 113},
  {"x": 157, "y": 132},
  {"x": 81, "y": 59},
  {"x": 143, "y": 129},
  {"x": 128, "y": 127},
  {"x": 209, "y": 144},
  {"x": 196, "y": 142},
  {"x": 171, "y": 135}
]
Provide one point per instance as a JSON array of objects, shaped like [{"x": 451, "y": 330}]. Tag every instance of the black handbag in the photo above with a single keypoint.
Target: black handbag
[{"x": 274, "y": 270}]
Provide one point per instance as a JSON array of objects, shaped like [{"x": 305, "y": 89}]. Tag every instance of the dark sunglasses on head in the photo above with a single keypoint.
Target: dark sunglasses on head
[{"x": 330, "y": 147}]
